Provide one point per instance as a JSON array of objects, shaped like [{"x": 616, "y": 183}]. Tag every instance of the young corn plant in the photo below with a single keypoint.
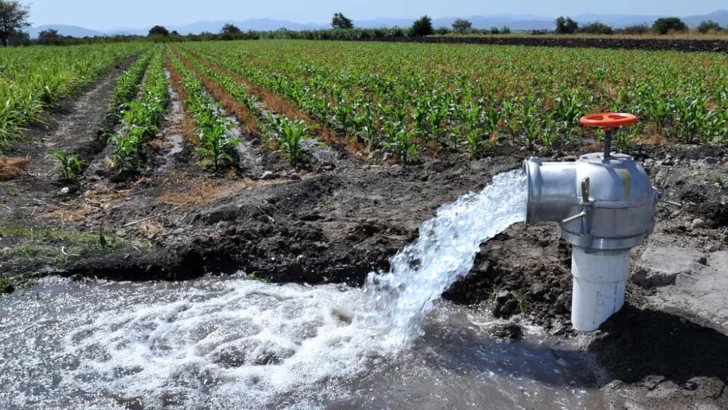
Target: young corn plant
[
  {"x": 216, "y": 143},
  {"x": 287, "y": 135},
  {"x": 71, "y": 164},
  {"x": 292, "y": 135},
  {"x": 402, "y": 144},
  {"x": 568, "y": 109},
  {"x": 475, "y": 141},
  {"x": 126, "y": 154}
]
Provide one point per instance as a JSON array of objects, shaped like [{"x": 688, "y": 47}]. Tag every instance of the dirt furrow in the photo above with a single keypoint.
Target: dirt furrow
[{"x": 76, "y": 126}]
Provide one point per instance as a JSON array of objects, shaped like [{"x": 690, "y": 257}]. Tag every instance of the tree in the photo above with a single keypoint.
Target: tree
[
  {"x": 13, "y": 17},
  {"x": 707, "y": 26},
  {"x": 230, "y": 29},
  {"x": 637, "y": 29},
  {"x": 565, "y": 25},
  {"x": 462, "y": 26},
  {"x": 158, "y": 31},
  {"x": 49, "y": 37},
  {"x": 596, "y": 28},
  {"x": 341, "y": 21},
  {"x": 20, "y": 38},
  {"x": 668, "y": 24},
  {"x": 422, "y": 27}
]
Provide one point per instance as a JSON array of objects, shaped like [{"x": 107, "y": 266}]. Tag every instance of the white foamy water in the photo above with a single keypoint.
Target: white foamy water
[
  {"x": 400, "y": 299},
  {"x": 243, "y": 344},
  {"x": 215, "y": 344}
]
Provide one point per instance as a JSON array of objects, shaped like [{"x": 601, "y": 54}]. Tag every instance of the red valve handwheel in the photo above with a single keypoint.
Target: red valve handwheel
[{"x": 609, "y": 120}]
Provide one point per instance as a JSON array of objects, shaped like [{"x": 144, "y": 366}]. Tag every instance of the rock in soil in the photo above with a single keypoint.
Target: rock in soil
[
  {"x": 505, "y": 305},
  {"x": 687, "y": 282},
  {"x": 506, "y": 331},
  {"x": 661, "y": 266}
]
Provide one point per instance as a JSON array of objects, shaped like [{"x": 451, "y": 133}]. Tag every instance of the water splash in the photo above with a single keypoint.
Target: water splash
[
  {"x": 239, "y": 343},
  {"x": 445, "y": 251}
]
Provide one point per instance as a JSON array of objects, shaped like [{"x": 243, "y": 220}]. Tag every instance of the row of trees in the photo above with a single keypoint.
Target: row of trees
[
  {"x": 340, "y": 24},
  {"x": 565, "y": 25},
  {"x": 14, "y": 17}
]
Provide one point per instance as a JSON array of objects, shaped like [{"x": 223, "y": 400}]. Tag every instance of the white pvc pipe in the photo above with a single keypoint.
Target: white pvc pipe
[{"x": 599, "y": 286}]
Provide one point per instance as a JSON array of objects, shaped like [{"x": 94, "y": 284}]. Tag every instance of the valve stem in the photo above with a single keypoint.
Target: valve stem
[{"x": 607, "y": 144}]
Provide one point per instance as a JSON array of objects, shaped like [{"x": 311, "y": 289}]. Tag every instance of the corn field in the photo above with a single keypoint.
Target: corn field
[
  {"x": 35, "y": 79},
  {"x": 415, "y": 98}
]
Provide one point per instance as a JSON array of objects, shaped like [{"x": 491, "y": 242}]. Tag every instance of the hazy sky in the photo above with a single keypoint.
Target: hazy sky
[{"x": 107, "y": 14}]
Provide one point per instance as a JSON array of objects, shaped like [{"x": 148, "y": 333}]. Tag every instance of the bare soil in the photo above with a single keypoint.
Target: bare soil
[{"x": 345, "y": 218}]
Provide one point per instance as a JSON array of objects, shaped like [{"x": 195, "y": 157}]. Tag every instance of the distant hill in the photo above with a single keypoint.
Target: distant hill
[
  {"x": 73, "y": 31},
  {"x": 251, "y": 24},
  {"x": 720, "y": 17},
  {"x": 515, "y": 22}
]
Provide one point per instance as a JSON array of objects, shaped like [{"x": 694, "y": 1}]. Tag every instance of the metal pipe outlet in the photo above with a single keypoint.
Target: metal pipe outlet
[{"x": 605, "y": 204}]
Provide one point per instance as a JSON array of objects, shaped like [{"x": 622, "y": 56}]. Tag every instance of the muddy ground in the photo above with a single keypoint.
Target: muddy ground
[{"x": 343, "y": 218}]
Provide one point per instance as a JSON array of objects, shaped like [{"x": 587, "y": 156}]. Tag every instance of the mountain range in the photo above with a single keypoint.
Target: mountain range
[{"x": 515, "y": 22}]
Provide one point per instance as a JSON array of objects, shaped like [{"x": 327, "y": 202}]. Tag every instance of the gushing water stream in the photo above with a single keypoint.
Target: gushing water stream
[
  {"x": 244, "y": 344},
  {"x": 444, "y": 252}
]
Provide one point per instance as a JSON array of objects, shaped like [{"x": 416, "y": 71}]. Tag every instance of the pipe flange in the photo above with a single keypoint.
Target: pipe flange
[{"x": 588, "y": 242}]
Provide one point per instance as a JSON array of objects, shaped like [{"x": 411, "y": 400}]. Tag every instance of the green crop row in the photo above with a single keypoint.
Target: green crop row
[
  {"x": 127, "y": 84},
  {"x": 217, "y": 144},
  {"x": 142, "y": 117},
  {"x": 277, "y": 130},
  {"x": 405, "y": 97},
  {"x": 34, "y": 79}
]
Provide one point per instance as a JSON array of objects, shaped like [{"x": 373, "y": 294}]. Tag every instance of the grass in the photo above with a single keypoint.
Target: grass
[
  {"x": 60, "y": 236},
  {"x": 53, "y": 246},
  {"x": 715, "y": 178},
  {"x": 43, "y": 253},
  {"x": 257, "y": 278},
  {"x": 10, "y": 282},
  {"x": 522, "y": 302},
  {"x": 520, "y": 298}
]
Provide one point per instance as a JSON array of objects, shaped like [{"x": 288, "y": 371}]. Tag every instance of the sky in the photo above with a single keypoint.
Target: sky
[{"x": 106, "y": 14}]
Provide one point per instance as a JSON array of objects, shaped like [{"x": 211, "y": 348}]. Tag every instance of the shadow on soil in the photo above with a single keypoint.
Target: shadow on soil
[{"x": 638, "y": 344}]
